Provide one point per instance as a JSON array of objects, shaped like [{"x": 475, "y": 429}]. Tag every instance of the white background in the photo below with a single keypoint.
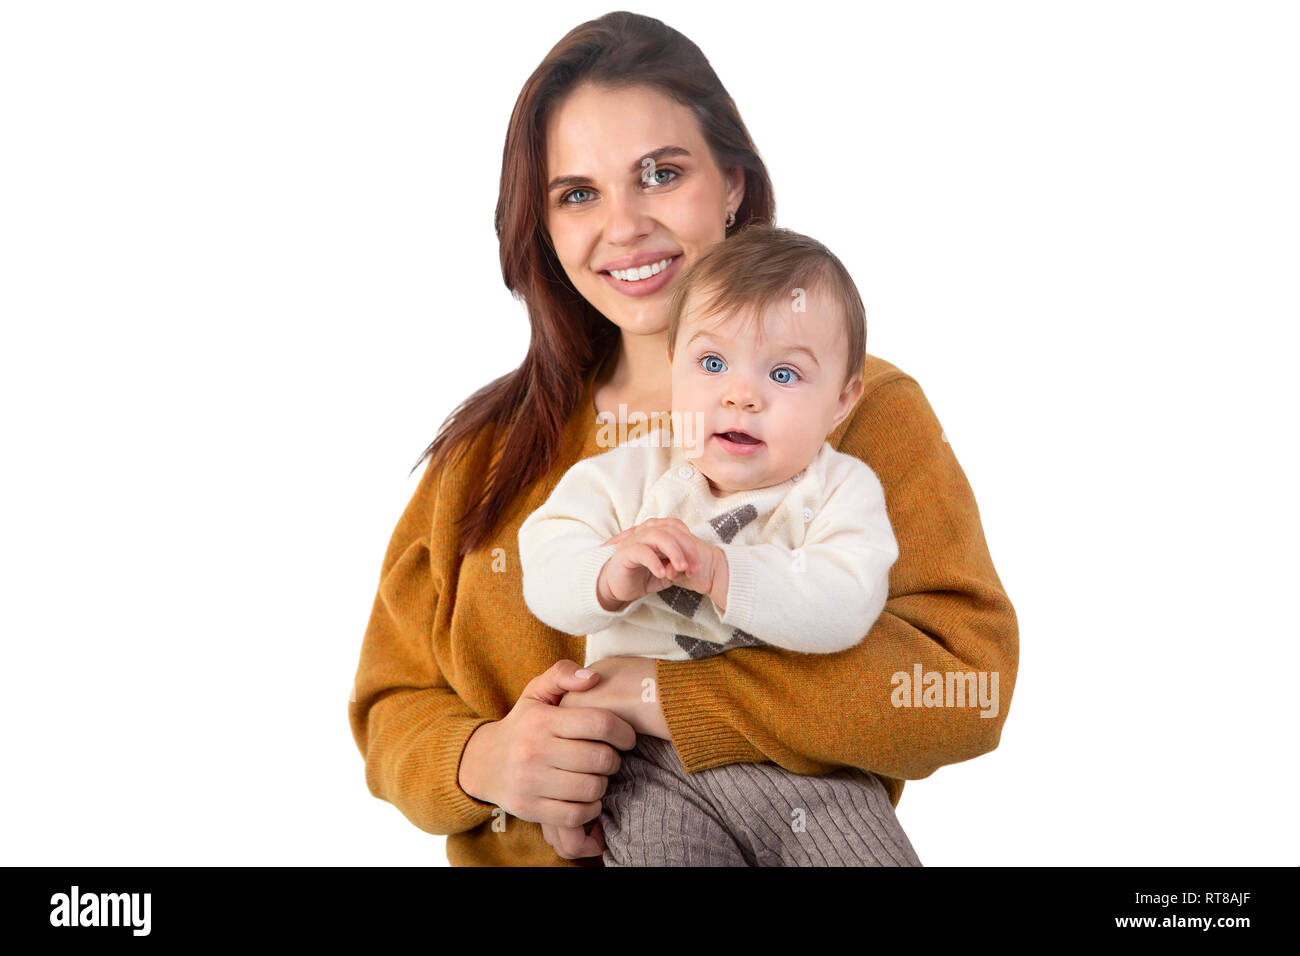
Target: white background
[{"x": 247, "y": 267}]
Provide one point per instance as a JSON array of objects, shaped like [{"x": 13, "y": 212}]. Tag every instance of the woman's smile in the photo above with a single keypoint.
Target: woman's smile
[{"x": 644, "y": 286}]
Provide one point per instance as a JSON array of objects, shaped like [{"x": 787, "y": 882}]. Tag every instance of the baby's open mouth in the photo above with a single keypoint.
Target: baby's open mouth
[{"x": 740, "y": 438}]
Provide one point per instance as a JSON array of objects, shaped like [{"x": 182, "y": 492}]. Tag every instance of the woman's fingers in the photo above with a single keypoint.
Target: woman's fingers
[
  {"x": 547, "y": 763},
  {"x": 569, "y": 787},
  {"x": 585, "y": 756},
  {"x": 556, "y": 681},
  {"x": 593, "y": 724},
  {"x": 563, "y": 813},
  {"x": 574, "y": 843},
  {"x": 547, "y": 794}
]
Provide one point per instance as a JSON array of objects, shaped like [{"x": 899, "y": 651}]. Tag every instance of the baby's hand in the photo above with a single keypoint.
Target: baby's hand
[{"x": 651, "y": 556}]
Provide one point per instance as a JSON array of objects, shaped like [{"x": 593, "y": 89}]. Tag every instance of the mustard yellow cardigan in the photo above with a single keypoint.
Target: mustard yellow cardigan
[{"x": 450, "y": 643}]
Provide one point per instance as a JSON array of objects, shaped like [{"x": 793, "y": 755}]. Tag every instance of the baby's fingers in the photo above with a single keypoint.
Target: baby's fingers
[
  {"x": 679, "y": 546},
  {"x": 647, "y": 557},
  {"x": 618, "y": 538},
  {"x": 655, "y": 585}
]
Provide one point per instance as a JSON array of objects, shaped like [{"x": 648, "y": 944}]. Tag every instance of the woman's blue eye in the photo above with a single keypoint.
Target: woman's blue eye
[
  {"x": 565, "y": 199},
  {"x": 788, "y": 371},
  {"x": 713, "y": 358}
]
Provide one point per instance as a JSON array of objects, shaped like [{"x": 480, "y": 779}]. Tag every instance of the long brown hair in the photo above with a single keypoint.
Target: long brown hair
[{"x": 527, "y": 409}]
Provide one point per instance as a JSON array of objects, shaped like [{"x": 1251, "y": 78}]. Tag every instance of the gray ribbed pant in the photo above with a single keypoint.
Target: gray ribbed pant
[{"x": 746, "y": 814}]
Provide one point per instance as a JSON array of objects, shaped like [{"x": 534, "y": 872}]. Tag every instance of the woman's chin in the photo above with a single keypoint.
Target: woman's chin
[{"x": 640, "y": 323}]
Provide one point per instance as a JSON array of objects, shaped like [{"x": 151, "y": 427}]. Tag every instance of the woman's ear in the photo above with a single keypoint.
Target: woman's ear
[{"x": 736, "y": 189}]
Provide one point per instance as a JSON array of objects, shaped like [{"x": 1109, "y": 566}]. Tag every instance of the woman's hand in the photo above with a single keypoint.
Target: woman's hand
[
  {"x": 549, "y": 764},
  {"x": 627, "y": 689}
]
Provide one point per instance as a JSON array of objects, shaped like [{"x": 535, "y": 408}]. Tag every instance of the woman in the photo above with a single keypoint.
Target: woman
[{"x": 624, "y": 150}]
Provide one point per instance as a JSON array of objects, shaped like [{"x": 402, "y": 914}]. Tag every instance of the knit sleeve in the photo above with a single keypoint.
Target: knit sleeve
[
  {"x": 947, "y": 612},
  {"x": 409, "y": 725},
  {"x": 561, "y": 550},
  {"x": 824, "y": 596}
]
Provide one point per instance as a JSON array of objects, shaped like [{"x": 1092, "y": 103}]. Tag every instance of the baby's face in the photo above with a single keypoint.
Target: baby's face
[{"x": 780, "y": 380}]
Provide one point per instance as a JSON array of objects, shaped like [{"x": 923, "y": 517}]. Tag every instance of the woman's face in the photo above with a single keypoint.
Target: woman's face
[{"x": 611, "y": 209}]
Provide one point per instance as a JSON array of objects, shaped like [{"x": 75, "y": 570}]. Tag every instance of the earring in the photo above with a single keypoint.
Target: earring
[{"x": 731, "y": 218}]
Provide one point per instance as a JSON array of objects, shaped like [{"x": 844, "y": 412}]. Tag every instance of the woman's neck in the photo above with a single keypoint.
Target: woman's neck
[{"x": 638, "y": 374}]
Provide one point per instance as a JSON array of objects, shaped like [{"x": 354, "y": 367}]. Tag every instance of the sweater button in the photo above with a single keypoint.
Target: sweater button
[
  {"x": 807, "y": 515},
  {"x": 685, "y": 471}
]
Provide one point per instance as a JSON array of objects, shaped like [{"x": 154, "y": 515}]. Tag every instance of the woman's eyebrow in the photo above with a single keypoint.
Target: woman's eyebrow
[{"x": 663, "y": 152}]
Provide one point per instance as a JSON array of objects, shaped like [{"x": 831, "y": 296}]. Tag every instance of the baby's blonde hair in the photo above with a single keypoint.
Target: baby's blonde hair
[{"x": 761, "y": 265}]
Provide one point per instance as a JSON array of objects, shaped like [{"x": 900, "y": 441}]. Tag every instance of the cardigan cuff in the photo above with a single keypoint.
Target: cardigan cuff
[
  {"x": 586, "y": 574},
  {"x": 693, "y": 698},
  {"x": 445, "y": 759},
  {"x": 418, "y": 771},
  {"x": 742, "y": 586},
  {"x": 595, "y": 617}
]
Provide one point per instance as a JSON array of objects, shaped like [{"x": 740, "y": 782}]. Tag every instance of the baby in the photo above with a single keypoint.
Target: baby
[{"x": 737, "y": 526}]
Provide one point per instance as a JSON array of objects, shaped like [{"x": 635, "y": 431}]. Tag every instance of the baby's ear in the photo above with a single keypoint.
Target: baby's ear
[{"x": 849, "y": 396}]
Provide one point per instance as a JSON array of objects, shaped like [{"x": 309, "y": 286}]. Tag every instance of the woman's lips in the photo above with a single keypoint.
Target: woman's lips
[
  {"x": 736, "y": 447},
  {"x": 644, "y": 286}
]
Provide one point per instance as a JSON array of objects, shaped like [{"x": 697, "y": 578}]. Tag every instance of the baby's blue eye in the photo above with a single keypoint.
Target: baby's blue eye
[
  {"x": 713, "y": 358},
  {"x": 787, "y": 371}
]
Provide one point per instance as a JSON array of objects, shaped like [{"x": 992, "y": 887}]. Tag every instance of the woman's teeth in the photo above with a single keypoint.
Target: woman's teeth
[{"x": 644, "y": 272}]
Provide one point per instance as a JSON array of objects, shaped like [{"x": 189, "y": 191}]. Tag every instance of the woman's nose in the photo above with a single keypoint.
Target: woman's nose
[{"x": 627, "y": 221}]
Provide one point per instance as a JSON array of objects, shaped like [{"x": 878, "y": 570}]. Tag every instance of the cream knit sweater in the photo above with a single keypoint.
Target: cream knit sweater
[{"x": 808, "y": 559}]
